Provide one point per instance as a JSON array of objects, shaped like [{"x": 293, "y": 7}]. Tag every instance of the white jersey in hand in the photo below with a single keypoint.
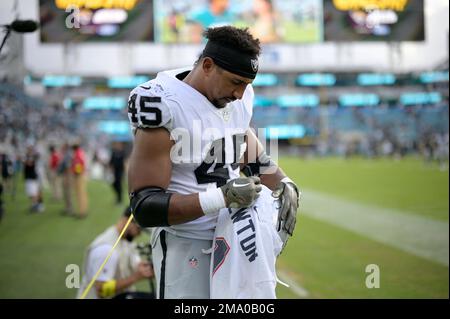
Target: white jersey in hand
[
  {"x": 208, "y": 141},
  {"x": 245, "y": 249}
]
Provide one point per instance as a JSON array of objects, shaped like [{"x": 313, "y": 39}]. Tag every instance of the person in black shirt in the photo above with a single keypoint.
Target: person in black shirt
[
  {"x": 3, "y": 178},
  {"x": 117, "y": 165},
  {"x": 32, "y": 187},
  {"x": 6, "y": 166}
]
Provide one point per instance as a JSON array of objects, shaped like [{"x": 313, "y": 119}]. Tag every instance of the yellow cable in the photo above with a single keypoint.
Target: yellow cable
[{"x": 85, "y": 292}]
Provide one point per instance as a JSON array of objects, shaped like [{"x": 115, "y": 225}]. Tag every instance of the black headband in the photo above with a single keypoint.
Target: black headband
[{"x": 231, "y": 60}]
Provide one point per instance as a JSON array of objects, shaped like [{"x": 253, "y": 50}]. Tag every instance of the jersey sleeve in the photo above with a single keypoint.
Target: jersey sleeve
[{"x": 148, "y": 109}]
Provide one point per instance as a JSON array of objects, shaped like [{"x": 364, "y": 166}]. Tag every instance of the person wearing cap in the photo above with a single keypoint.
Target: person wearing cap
[
  {"x": 123, "y": 269},
  {"x": 192, "y": 143}
]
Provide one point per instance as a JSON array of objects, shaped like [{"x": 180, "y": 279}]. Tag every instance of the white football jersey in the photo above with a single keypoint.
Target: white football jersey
[
  {"x": 208, "y": 141},
  {"x": 245, "y": 249}
]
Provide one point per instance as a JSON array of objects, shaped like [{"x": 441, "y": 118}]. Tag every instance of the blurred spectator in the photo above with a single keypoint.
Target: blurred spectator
[
  {"x": 1, "y": 201},
  {"x": 53, "y": 178},
  {"x": 387, "y": 147},
  {"x": 123, "y": 269},
  {"x": 96, "y": 168},
  {"x": 428, "y": 147},
  {"x": 17, "y": 166},
  {"x": 441, "y": 153},
  {"x": 103, "y": 155},
  {"x": 78, "y": 167},
  {"x": 33, "y": 188},
  {"x": 1, "y": 185},
  {"x": 65, "y": 178},
  {"x": 117, "y": 165},
  {"x": 7, "y": 169}
]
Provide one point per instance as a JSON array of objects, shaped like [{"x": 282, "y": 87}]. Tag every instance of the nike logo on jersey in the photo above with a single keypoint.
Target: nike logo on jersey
[{"x": 145, "y": 88}]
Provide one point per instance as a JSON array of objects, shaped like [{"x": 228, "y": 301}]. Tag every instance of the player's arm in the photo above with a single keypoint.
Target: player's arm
[
  {"x": 150, "y": 169},
  {"x": 257, "y": 162}
]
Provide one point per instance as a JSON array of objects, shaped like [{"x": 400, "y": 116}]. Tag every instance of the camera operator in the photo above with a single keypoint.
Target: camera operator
[{"x": 123, "y": 269}]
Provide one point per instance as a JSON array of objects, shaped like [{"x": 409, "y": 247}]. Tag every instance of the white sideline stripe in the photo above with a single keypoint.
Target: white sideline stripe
[
  {"x": 296, "y": 288},
  {"x": 414, "y": 234}
]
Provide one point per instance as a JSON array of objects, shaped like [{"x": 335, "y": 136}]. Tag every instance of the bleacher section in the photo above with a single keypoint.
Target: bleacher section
[{"x": 310, "y": 106}]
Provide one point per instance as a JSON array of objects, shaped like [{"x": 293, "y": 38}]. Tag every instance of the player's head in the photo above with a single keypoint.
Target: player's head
[{"x": 228, "y": 63}]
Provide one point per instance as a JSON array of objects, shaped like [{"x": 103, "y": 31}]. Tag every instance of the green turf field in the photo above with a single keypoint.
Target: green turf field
[
  {"x": 329, "y": 260},
  {"x": 354, "y": 213}
]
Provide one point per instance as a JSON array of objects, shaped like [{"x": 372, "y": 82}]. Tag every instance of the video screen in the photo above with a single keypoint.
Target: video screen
[
  {"x": 276, "y": 21},
  {"x": 272, "y": 21},
  {"x": 96, "y": 21},
  {"x": 374, "y": 20}
]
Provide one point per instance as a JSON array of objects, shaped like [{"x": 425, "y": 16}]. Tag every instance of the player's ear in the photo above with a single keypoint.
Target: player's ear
[{"x": 208, "y": 65}]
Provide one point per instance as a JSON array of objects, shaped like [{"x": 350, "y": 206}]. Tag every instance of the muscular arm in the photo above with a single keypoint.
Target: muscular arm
[
  {"x": 150, "y": 165},
  {"x": 254, "y": 149}
]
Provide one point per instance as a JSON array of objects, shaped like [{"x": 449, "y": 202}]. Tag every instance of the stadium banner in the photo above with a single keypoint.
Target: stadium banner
[
  {"x": 78, "y": 21},
  {"x": 374, "y": 20},
  {"x": 276, "y": 21}
]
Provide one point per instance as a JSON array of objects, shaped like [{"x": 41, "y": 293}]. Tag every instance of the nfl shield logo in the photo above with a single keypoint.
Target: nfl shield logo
[
  {"x": 254, "y": 64},
  {"x": 226, "y": 115},
  {"x": 193, "y": 262}
]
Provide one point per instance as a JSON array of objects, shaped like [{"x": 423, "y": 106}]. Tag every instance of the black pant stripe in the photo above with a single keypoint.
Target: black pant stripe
[{"x": 162, "y": 238}]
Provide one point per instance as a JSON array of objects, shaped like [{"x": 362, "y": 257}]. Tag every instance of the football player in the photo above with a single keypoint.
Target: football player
[{"x": 191, "y": 142}]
